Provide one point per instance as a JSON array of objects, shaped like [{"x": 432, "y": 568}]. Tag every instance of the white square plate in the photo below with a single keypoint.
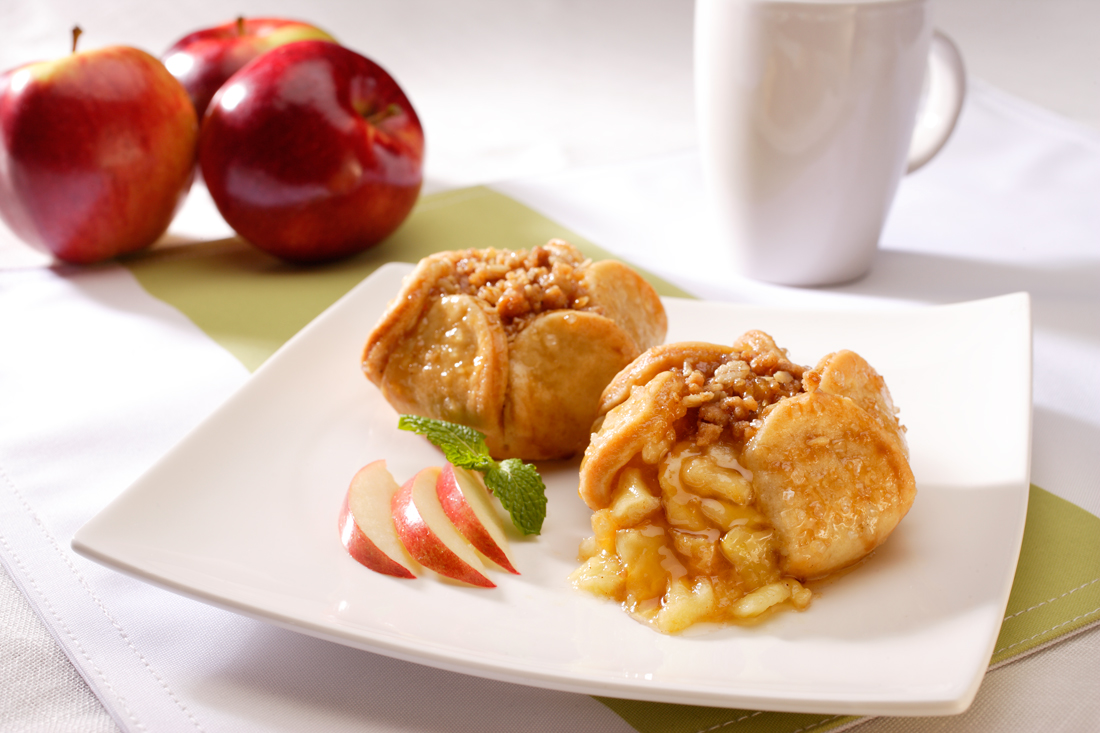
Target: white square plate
[{"x": 243, "y": 514}]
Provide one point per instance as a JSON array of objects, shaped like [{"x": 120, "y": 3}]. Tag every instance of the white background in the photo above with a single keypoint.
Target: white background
[{"x": 508, "y": 89}]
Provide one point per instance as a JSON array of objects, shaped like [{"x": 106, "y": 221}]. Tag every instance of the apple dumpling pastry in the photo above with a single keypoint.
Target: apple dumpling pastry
[
  {"x": 516, "y": 344},
  {"x": 722, "y": 478}
]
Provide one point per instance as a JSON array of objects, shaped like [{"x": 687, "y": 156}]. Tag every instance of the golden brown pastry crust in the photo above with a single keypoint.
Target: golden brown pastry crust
[
  {"x": 824, "y": 449},
  {"x": 830, "y": 478},
  {"x": 516, "y": 344}
]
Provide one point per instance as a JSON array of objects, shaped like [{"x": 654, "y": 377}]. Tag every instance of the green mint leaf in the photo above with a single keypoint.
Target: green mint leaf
[
  {"x": 521, "y": 492},
  {"x": 517, "y": 485},
  {"x": 461, "y": 445}
]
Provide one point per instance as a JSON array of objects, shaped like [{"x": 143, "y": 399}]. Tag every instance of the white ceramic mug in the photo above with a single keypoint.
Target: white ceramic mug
[{"x": 809, "y": 115}]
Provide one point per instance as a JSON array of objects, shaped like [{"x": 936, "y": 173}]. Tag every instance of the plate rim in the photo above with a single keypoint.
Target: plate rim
[{"x": 84, "y": 542}]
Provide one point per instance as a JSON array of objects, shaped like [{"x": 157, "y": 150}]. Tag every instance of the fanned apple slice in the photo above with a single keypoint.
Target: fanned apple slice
[
  {"x": 366, "y": 524},
  {"x": 428, "y": 534},
  {"x": 468, "y": 505}
]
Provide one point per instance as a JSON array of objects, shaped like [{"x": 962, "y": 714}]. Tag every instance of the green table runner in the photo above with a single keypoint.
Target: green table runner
[{"x": 251, "y": 304}]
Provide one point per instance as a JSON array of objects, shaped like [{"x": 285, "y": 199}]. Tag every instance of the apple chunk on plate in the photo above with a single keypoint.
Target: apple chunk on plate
[
  {"x": 366, "y": 525},
  {"x": 467, "y": 503},
  {"x": 428, "y": 534}
]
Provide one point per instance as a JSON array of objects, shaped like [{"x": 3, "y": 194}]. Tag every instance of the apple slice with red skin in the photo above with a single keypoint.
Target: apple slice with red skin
[
  {"x": 428, "y": 534},
  {"x": 468, "y": 505},
  {"x": 366, "y": 524}
]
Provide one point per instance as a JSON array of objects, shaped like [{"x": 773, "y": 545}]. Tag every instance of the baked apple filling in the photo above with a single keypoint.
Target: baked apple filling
[{"x": 724, "y": 478}]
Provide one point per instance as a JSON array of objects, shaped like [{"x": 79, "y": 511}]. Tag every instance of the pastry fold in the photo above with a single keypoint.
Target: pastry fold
[
  {"x": 516, "y": 344},
  {"x": 823, "y": 456}
]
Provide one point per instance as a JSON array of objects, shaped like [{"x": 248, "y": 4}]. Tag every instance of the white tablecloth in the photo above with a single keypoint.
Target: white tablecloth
[{"x": 602, "y": 141}]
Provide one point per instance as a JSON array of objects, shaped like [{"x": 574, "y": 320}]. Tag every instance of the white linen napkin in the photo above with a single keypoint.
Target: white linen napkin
[{"x": 1007, "y": 206}]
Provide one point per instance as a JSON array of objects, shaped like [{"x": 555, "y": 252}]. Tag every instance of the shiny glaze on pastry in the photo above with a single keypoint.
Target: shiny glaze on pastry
[
  {"x": 516, "y": 344},
  {"x": 722, "y": 478}
]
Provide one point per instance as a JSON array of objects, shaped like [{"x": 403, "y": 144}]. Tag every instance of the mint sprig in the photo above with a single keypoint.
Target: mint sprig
[{"x": 517, "y": 485}]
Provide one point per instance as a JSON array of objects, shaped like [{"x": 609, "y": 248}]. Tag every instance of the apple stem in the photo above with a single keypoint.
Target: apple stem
[
  {"x": 76, "y": 35},
  {"x": 240, "y": 25},
  {"x": 375, "y": 118}
]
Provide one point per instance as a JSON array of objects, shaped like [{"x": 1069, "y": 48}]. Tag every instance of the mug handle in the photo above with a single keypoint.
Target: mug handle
[{"x": 944, "y": 91}]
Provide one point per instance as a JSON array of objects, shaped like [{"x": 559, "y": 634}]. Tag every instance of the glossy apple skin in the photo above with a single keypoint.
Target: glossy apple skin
[
  {"x": 97, "y": 151},
  {"x": 366, "y": 552},
  {"x": 366, "y": 524},
  {"x": 202, "y": 61},
  {"x": 429, "y": 536},
  {"x": 312, "y": 152},
  {"x": 466, "y": 502}
]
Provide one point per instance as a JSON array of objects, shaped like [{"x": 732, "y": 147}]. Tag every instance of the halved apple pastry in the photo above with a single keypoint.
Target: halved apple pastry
[
  {"x": 518, "y": 345},
  {"x": 724, "y": 477}
]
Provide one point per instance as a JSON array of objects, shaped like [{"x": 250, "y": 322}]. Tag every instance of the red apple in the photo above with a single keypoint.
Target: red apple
[
  {"x": 203, "y": 60},
  {"x": 97, "y": 151},
  {"x": 312, "y": 152},
  {"x": 468, "y": 505},
  {"x": 429, "y": 536},
  {"x": 366, "y": 524}
]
